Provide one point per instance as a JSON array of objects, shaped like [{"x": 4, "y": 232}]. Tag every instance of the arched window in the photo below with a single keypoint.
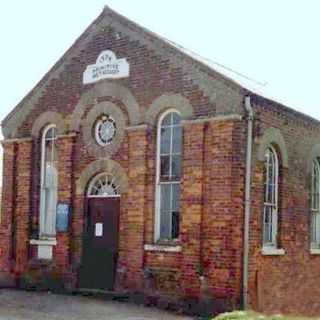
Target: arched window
[
  {"x": 103, "y": 185},
  {"x": 271, "y": 186},
  {"x": 168, "y": 176},
  {"x": 49, "y": 182},
  {"x": 315, "y": 205}
]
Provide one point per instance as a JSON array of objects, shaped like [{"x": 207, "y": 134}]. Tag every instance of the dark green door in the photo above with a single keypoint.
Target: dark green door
[{"x": 100, "y": 244}]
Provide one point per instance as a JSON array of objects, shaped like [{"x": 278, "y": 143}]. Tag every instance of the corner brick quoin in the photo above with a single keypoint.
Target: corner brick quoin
[{"x": 204, "y": 265}]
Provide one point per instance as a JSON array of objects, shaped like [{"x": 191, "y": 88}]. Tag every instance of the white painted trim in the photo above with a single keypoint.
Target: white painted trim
[
  {"x": 271, "y": 251},
  {"x": 47, "y": 242},
  {"x": 67, "y": 135},
  {"x": 139, "y": 127},
  {"x": 17, "y": 140},
  {"x": 162, "y": 248},
  {"x": 157, "y": 188},
  {"x": 314, "y": 251},
  {"x": 274, "y": 203}
]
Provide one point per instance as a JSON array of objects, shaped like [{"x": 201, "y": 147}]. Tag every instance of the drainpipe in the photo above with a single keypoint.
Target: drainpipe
[{"x": 247, "y": 204}]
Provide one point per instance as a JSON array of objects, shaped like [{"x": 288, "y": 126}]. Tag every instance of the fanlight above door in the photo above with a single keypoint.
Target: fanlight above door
[{"x": 103, "y": 185}]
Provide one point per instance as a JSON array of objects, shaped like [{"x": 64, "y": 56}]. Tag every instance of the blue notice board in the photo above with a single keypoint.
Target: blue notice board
[{"x": 63, "y": 213}]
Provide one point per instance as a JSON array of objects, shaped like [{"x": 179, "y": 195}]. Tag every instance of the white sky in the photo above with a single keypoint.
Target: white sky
[{"x": 272, "y": 41}]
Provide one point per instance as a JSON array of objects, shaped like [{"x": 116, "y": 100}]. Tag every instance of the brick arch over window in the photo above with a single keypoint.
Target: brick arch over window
[
  {"x": 104, "y": 89},
  {"x": 168, "y": 101},
  {"x": 273, "y": 136},
  {"x": 49, "y": 117},
  {"x": 103, "y": 165}
]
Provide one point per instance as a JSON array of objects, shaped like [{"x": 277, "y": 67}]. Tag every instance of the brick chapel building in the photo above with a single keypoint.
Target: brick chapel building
[{"x": 132, "y": 166}]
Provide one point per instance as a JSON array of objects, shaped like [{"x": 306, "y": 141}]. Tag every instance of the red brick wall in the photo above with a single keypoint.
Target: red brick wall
[
  {"x": 7, "y": 206},
  {"x": 223, "y": 208},
  {"x": 288, "y": 283},
  {"x": 212, "y": 189}
]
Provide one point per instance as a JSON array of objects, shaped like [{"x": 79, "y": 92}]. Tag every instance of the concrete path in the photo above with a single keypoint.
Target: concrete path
[{"x": 20, "y": 305}]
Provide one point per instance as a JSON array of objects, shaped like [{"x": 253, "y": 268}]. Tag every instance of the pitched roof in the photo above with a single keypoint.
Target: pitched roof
[{"x": 233, "y": 78}]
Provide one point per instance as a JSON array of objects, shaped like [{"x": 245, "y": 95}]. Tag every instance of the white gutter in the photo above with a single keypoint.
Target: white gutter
[{"x": 247, "y": 210}]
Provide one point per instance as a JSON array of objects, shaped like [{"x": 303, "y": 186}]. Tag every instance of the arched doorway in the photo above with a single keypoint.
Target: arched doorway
[{"x": 100, "y": 239}]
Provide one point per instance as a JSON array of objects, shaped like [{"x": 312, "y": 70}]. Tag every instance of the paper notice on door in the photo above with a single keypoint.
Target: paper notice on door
[{"x": 98, "y": 230}]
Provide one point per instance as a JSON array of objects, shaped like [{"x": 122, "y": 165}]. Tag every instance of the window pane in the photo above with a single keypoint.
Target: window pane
[
  {"x": 313, "y": 227},
  {"x": 50, "y": 151},
  {"x": 177, "y": 139},
  {"x": 175, "y": 197},
  {"x": 165, "y": 140},
  {"x": 315, "y": 187},
  {"x": 267, "y": 232},
  {"x": 165, "y": 225},
  {"x": 176, "y": 167},
  {"x": 51, "y": 133},
  {"x": 165, "y": 166},
  {"x": 50, "y": 177},
  {"x": 175, "y": 224},
  {"x": 165, "y": 197},
  {"x": 175, "y": 118},
  {"x": 166, "y": 120},
  {"x": 270, "y": 193}
]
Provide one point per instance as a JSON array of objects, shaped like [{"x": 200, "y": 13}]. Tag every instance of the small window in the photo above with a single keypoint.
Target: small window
[
  {"x": 49, "y": 182},
  {"x": 168, "y": 176},
  {"x": 271, "y": 186},
  {"x": 315, "y": 205}
]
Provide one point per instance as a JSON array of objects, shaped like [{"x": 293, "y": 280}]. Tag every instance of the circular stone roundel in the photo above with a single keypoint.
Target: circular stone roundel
[{"x": 103, "y": 129}]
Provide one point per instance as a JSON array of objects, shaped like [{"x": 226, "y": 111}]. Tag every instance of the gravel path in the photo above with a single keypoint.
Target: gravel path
[{"x": 20, "y": 305}]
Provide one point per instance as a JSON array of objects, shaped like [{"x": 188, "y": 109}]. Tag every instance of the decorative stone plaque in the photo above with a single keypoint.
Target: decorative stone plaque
[{"x": 107, "y": 66}]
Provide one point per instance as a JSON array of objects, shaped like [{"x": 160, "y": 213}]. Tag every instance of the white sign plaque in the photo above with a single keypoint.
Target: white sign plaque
[
  {"x": 107, "y": 66},
  {"x": 98, "y": 230}
]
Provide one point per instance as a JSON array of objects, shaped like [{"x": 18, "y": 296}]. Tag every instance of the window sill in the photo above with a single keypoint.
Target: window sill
[
  {"x": 44, "y": 242},
  {"x": 162, "y": 248},
  {"x": 315, "y": 251},
  {"x": 270, "y": 251}
]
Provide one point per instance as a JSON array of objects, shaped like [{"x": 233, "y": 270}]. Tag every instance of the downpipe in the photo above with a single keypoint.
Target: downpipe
[{"x": 247, "y": 209}]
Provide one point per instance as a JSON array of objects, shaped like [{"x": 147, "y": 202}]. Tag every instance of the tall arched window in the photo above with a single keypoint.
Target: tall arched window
[
  {"x": 49, "y": 182},
  {"x": 168, "y": 176},
  {"x": 271, "y": 186},
  {"x": 315, "y": 205}
]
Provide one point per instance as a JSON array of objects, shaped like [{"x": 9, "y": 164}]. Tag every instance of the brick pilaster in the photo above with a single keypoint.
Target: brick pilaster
[
  {"x": 7, "y": 206},
  {"x": 65, "y": 178},
  {"x": 23, "y": 204},
  {"x": 223, "y": 212},
  {"x": 136, "y": 205},
  {"x": 192, "y": 206}
]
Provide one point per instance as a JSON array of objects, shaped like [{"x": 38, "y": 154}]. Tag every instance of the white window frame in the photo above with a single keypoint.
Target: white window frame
[
  {"x": 42, "y": 229},
  {"x": 158, "y": 182},
  {"x": 94, "y": 180},
  {"x": 315, "y": 210},
  {"x": 274, "y": 203}
]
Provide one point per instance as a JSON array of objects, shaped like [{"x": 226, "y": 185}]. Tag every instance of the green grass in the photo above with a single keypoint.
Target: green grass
[{"x": 241, "y": 315}]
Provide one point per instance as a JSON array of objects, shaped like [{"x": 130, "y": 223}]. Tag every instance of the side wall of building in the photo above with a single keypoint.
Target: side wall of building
[{"x": 286, "y": 283}]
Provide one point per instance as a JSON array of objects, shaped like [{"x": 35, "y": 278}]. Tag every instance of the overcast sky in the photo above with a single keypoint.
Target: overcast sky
[{"x": 272, "y": 41}]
